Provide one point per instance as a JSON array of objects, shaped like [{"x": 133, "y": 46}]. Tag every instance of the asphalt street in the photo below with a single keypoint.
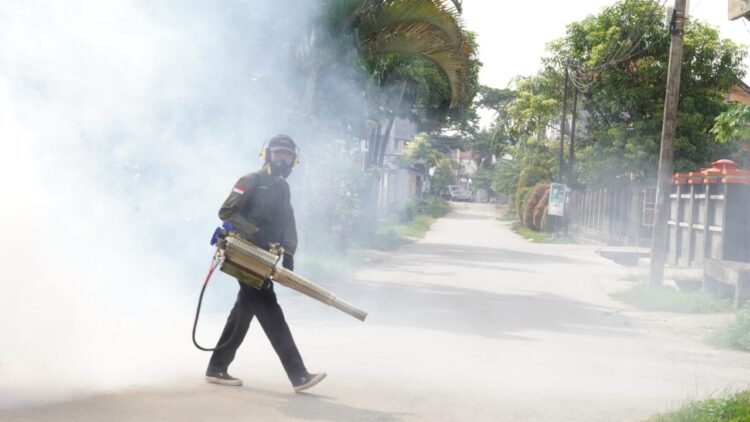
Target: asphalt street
[{"x": 470, "y": 323}]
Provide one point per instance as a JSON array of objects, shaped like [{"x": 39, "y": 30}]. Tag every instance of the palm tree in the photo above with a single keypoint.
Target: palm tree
[
  {"x": 428, "y": 29},
  {"x": 419, "y": 28},
  {"x": 389, "y": 36}
]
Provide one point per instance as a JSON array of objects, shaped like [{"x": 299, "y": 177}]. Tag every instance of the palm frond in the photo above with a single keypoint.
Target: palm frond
[
  {"x": 430, "y": 29},
  {"x": 424, "y": 40},
  {"x": 384, "y": 14}
]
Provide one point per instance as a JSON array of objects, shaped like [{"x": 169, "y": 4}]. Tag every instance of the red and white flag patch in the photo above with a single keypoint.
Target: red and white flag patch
[{"x": 238, "y": 189}]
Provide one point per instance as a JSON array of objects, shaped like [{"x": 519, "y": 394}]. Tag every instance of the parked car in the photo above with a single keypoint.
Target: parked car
[{"x": 455, "y": 193}]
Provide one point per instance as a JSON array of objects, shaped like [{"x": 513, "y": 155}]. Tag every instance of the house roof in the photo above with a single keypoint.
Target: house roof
[{"x": 740, "y": 93}]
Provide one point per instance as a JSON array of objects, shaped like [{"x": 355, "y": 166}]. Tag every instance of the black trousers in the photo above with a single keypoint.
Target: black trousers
[{"x": 262, "y": 304}]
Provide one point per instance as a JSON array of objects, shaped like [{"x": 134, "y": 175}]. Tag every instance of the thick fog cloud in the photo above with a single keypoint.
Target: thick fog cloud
[{"x": 123, "y": 125}]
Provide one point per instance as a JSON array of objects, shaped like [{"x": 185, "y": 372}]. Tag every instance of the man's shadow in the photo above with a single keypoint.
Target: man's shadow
[{"x": 319, "y": 407}]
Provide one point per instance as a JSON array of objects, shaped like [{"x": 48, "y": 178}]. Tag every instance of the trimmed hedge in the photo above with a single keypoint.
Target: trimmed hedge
[
  {"x": 540, "y": 212},
  {"x": 535, "y": 208},
  {"x": 522, "y": 196}
]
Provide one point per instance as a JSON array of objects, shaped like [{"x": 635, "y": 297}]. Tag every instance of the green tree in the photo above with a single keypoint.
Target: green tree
[
  {"x": 444, "y": 176},
  {"x": 619, "y": 60},
  {"x": 415, "y": 54},
  {"x": 420, "y": 151},
  {"x": 524, "y": 124},
  {"x": 732, "y": 128}
]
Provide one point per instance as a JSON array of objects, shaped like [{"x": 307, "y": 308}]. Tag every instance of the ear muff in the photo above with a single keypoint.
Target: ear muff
[{"x": 264, "y": 152}]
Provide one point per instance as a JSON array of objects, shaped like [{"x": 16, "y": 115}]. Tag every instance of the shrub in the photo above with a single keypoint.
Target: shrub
[
  {"x": 422, "y": 223},
  {"x": 385, "y": 238},
  {"x": 436, "y": 207},
  {"x": 531, "y": 176},
  {"x": 536, "y": 195},
  {"x": 522, "y": 195},
  {"x": 737, "y": 334},
  {"x": 545, "y": 216},
  {"x": 509, "y": 215},
  {"x": 505, "y": 177},
  {"x": 540, "y": 212},
  {"x": 407, "y": 211},
  {"x": 739, "y": 330}
]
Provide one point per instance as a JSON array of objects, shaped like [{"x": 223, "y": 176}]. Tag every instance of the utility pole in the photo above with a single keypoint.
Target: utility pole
[
  {"x": 571, "y": 156},
  {"x": 562, "y": 123},
  {"x": 571, "y": 144},
  {"x": 666, "y": 154},
  {"x": 561, "y": 224}
]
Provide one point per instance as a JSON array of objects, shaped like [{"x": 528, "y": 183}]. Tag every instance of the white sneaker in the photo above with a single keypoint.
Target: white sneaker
[{"x": 308, "y": 381}]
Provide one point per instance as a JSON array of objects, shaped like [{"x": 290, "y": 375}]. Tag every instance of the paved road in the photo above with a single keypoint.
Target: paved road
[{"x": 470, "y": 323}]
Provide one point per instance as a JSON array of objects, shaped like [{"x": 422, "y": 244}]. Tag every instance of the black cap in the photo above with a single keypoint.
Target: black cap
[{"x": 282, "y": 142}]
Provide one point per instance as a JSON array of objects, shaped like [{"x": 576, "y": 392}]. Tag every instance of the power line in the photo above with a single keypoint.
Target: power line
[
  {"x": 584, "y": 79},
  {"x": 695, "y": 6},
  {"x": 632, "y": 51}
]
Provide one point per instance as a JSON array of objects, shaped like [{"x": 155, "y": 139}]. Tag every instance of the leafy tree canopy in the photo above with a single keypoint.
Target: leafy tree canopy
[
  {"x": 618, "y": 63},
  {"x": 732, "y": 129}
]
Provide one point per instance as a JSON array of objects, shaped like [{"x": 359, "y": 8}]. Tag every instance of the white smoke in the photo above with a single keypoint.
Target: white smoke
[{"x": 123, "y": 125}]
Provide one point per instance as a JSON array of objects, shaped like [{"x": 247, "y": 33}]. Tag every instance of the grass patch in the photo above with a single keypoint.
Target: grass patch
[
  {"x": 415, "y": 228},
  {"x": 730, "y": 408},
  {"x": 535, "y": 236},
  {"x": 385, "y": 238},
  {"x": 736, "y": 335},
  {"x": 390, "y": 236},
  {"x": 508, "y": 215},
  {"x": 666, "y": 299},
  {"x": 643, "y": 278},
  {"x": 329, "y": 265},
  {"x": 435, "y": 207}
]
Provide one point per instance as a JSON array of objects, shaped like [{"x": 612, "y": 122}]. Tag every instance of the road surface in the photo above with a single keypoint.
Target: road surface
[{"x": 470, "y": 323}]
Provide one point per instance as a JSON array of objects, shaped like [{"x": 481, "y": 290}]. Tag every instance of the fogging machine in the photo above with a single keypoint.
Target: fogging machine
[{"x": 257, "y": 267}]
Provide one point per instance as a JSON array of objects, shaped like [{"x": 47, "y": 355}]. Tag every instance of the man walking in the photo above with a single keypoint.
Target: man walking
[{"x": 260, "y": 209}]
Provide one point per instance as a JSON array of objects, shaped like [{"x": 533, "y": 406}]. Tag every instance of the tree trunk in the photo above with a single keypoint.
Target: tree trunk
[
  {"x": 310, "y": 87},
  {"x": 375, "y": 141},
  {"x": 386, "y": 137},
  {"x": 370, "y": 146}
]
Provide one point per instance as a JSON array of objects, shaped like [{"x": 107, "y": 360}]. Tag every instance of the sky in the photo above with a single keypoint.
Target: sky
[{"x": 512, "y": 35}]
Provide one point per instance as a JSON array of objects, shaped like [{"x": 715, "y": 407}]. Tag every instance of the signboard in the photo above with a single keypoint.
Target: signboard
[
  {"x": 738, "y": 9},
  {"x": 556, "y": 204}
]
